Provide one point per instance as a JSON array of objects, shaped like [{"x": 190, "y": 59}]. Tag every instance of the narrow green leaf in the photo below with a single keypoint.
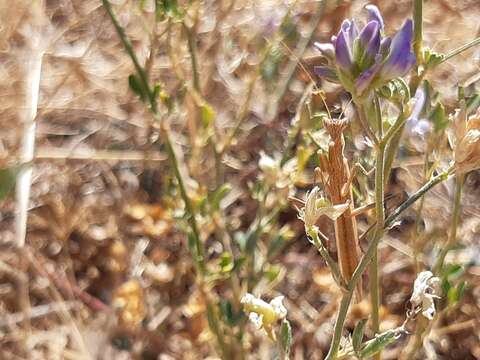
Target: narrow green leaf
[
  {"x": 226, "y": 263},
  {"x": 286, "y": 338},
  {"x": 380, "y": 341},
  {"x": 137, "y": 87},
  {"x": 207, "y": 114},
  {"x": 8, "y": 178},
  {"x": 357, "y": 335},
  {"x": 217, "y": 196},
  {"x": 439, "y": 118}
]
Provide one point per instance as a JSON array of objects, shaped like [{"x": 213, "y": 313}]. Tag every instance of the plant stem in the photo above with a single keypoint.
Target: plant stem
[
  {"x": 374, "y": 282},
  {"x": 452, "y": 238},
  {"x": 192, "y": 49},
  {"x": 315, "y": 235},
  {"x": 417, "y": 195},
  {"x": 128, "y": 47},
  {"x": 380, "y": 214},
  {"x": 418, "y": 30},
  {"x": 365, "y": 261},
  {"x": 459, "y": 50},
  {"x": 168, "y": 144}
]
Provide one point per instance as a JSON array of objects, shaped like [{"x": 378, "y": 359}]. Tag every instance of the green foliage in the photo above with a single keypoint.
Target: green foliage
[
  {"x": 452, "y": 287},
  {"x": 138, "y": 87},
  {"x": 439, "y": 118},
  {"x": 379, "y": 343},
  {"x": 8, "y": 178},
  {"x": 396, "y": 90},
  {"x": 432, "y": 58},
  {"x": 167, "y": 9},
  {"x": 270, "y": 66},
  {"x": 231, "y": 317},
  {"x": 286, "y": 338},
  {"x": 357, "y": 335}
]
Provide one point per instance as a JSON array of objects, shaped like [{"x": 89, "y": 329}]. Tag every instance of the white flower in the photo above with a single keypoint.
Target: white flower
[
  {"x": 316, "y": 206},
  {"x": 425, "y": 290},
  {"x": 263, "y": 314},
  {"x": 276, "y": 174}
]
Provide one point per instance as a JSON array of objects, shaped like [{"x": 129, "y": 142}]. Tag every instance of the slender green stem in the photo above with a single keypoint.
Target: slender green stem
[
  {"x": 418, "y": 30},
  {"x": 459, "y": 50},
  {"x": 380, "y": 212},
  {"x": 200, "y": 258},
  {"x": 374, "y": 282},
  {"x": 128, "y": 47},
  {"x": 192, "y": 49},
  {"x": 452, "y": 238},
  {"x": 365, "y": 261},
  {"x": 364, "y": 123},
  {"x": 397, "y": 125},
  {"x": 315, "y": 235},
  {"x": 168, "y": 144}
]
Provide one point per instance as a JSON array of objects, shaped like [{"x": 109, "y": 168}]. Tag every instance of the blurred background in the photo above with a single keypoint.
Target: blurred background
[{"x": 103, "y": 270}]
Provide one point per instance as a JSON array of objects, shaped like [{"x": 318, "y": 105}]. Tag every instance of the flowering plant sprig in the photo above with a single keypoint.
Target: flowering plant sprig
[{"x": 367, "y": 59}]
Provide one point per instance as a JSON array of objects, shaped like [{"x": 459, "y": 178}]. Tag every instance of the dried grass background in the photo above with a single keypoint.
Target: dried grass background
[{"x": 105, "y": 272}]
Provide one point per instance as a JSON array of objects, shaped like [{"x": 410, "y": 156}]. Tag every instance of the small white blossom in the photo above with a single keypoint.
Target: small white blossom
[
  {"x": 263, "y": 314},
  {"x": 276, "y": 174},
  {"x": 316, "y": 206},
  {"x": 425, "y": 290}
]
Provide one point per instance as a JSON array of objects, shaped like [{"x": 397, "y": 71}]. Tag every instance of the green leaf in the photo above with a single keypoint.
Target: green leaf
[
  {"x": 217, "y": 196},
  {"x": 167, "y": 8},
  {"x": 212, "y": 319},
  {"x": 286, "y": 338},
  {"x": 357, "y": 335},
  {"x": 396, "y": 90},
  {"x": 232, "y": 318},
  {"x": 461, "y": 289},
  {"x": 454, "y": 294},
  {"x": 207, "y": 114},
  {"x": 275, "y": 245},
  {"x": 432, "y": 58},
  {"x": 8, "y": 179},
  {"x": 439, "y": 118},
  {"x": 226, "y": 262},
  {"x": 473, "y": 102},
  {"x": 137, "y": 86},
  {"x": 192, "y": 247},
  {"x": 380, "y": 341},
  {"x": 272, "y": 272}
]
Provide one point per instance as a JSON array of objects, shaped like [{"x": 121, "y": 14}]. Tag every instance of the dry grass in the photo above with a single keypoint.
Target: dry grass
[{"x": 105, "y": 269}]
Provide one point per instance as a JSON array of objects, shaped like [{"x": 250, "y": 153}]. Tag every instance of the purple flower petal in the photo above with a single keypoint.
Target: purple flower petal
[
  {"x": 369, "y": 41},
  {"x": 352, "y": 32},
  {"x": 419, "y": 104},
  {"x": 415, "y": 125},
  {"x": 343, "y": 52},
  {"x": 364, "y": 80},
  {"x": 345, "y": 25},
  {"x": 326, "y": 73},
  {"x": 374, "y": 14},
  {"x": 401, "y": 58}
]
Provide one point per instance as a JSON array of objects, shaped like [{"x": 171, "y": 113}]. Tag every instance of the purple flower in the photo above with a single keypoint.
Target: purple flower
[
  {"x": 366, "y": 60},
  {"x": 400, "y": 58},
  {"x": 343, "y": 47},
  {"x": 368, "y": 43},
  {"x": 417, "y": 126},
  {"x": 374, "y": 14}
]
